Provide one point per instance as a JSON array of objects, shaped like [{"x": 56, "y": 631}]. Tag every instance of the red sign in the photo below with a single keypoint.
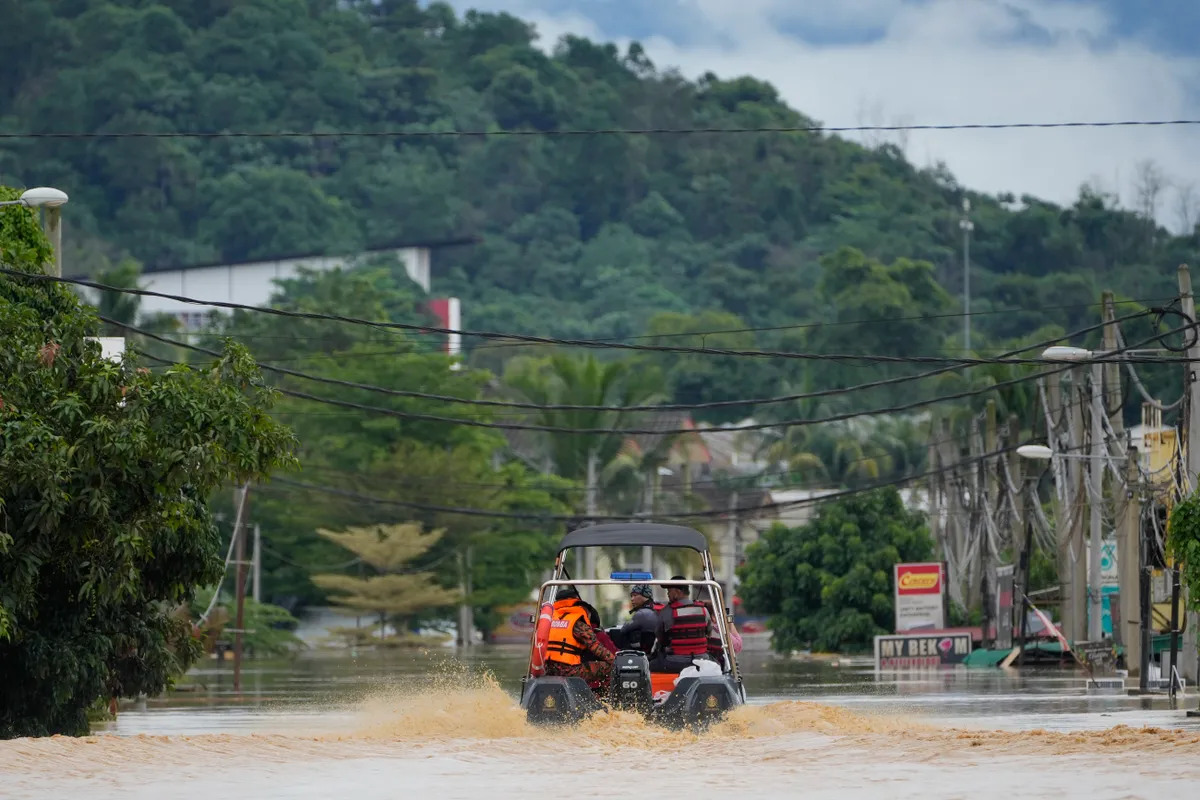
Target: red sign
[{"x": 913, "y": 579}]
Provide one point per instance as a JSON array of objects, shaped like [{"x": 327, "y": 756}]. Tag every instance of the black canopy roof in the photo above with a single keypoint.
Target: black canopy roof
[{"x": 633, "y": 534}]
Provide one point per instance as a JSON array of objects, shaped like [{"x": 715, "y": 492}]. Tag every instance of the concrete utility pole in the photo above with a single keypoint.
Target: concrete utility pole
[
  {"x": 239, "y": 532},
  {"x": 257, "y": 563},
  {"x": 589, "y": 554},
  {"x": 1188, "y": 666},
  {"x": 466, "y": 613},
  {"x": 1129, "y": 558},
  {"x": 1077, "y": 494},
  {"x": 54, "y": 234},
  {"x": 967, "y": 226},
  {"x": 729, "y": 548},
  {"x": 1095, "y": 498},
  {"x": 1129, "y": 538}
]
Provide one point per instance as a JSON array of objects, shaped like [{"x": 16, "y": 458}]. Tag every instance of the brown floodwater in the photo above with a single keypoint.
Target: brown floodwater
[{"x": 412, "y": 725}]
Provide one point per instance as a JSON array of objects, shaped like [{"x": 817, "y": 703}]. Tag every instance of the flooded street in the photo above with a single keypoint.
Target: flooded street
[{"x": 401, "y": 724}]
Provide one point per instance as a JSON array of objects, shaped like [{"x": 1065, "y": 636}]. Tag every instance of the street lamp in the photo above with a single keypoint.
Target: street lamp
[
  {"x": 1038, "y": 452},
  {"x": 967, "y": 226},
  {"x": 1095, "y": 478},
  {"x": 52, "y": 200}
]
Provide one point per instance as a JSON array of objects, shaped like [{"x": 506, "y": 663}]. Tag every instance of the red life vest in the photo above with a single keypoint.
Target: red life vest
[
  {"x": 688, "y": 634},
  {"x": 659, "y": 607}
]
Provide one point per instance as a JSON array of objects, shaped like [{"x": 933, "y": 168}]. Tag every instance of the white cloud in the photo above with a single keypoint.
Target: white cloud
[{"x": 950, "y": 61}]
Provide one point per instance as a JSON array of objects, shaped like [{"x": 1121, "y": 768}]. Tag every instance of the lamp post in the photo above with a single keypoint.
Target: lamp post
[
  {"x": 1095, "y": 478},
  {"x": 1095, "y": 468},
  {"x": 967, "y": 226},
  {"x": 52, "y": 200}
]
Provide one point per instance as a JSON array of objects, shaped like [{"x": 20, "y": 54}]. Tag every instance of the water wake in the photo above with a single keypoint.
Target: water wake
[{"x": 458, "y": 709}]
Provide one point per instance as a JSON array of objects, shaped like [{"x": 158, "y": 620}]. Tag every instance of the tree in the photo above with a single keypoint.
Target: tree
[
  {"x": 394, "y": 590},
  {"x": 105, "y": 473},
  {"x": 561, "y": 380},
  {"x": 1183, "y": 544},
  {"x": 828, "y": 584}
]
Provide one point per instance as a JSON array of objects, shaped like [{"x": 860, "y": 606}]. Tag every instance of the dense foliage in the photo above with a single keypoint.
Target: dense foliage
[
  {"x": 105, "y": 470},
  {"x": 586, "y": 236},
  {"x": 1183, "y": 542},
  {"x": 828, "y": 584},
  {"x": 799, "y": 241}
]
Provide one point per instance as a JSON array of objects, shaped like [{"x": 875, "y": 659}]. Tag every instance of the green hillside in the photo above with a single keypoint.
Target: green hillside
[
  {"x": 584, "y": 236},
  {"x": 790, "y": 240}
]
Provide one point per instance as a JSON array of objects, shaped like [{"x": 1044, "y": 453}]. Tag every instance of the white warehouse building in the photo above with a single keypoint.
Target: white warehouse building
[{"x": 253, "y": 283}]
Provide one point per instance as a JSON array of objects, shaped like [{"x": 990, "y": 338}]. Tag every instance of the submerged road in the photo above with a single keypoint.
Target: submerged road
[{"x": 397, "y": 727}]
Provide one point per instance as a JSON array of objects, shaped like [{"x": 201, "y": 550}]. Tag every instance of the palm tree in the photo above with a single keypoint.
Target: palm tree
[
  {"x": 561, "y": 380},
  {"x": 564, "y": 381}
]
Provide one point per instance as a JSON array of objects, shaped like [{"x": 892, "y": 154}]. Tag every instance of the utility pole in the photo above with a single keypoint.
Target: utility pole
[
  {"x": 54, "y": 234},
  {"x": 466, "y": 613},
  {"x": 239, "y": 532},
  {"x": 257, "y": 563},
  {"x": 1188, "y": 666},
  {"x": 967, "y": 226},
  {"x": 1075, "y": 501},
  {"x": 1129, "y": 558},
  {"x": 1129, "y": 538},
  {"x": 988, "y": 588},
  {"x": 729, "y": 550},
  {"x": 589, "y": 553},
  {"x": 1095, "y": 496}
]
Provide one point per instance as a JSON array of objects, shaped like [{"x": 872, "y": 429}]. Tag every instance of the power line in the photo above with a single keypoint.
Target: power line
[
  {"x": 575, "y": 132},
  {"x": 720, "y": 332},
  {"x": 587, "y": 343},
  {"x": 717, "y": 404},
  {"x": 514, "y": 426},
  {"x": 801, "y": 422},
  {"x": 785, "y": 505},
  {"x": 716, "y": 481}
]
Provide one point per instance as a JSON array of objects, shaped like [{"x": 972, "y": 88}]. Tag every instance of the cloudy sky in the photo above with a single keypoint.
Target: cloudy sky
[{"x": 853, "y": 62}]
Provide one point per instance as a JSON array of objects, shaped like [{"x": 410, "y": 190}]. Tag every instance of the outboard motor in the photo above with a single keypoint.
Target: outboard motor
[
  {"x": 556, "y": 700},
  {"x": 631, "y": 688}
]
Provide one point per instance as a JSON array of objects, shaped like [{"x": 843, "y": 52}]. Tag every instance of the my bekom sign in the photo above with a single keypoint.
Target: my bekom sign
[{"x": 920, "y": 597}]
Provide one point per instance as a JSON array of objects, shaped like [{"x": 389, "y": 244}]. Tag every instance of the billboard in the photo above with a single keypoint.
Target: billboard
[
  {"x": 920, "y": 596},
  {"x": 516, "y": 626},
  {"x": 906, "y": 651}
]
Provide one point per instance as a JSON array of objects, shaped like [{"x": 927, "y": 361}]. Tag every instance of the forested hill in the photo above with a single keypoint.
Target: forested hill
[{"x": 583, "y": 236}]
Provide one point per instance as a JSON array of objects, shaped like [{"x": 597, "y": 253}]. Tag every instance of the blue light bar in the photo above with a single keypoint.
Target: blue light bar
[{"x": 631, "y": 576}]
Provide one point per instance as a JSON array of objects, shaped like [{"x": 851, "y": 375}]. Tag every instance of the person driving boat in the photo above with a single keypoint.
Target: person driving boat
[{"x": 639, "y": 632}]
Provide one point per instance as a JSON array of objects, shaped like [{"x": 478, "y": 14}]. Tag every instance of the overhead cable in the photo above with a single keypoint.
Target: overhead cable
[
  {"x": 575, "y": 132},
  {"x": 586, "y": 343},
  {"x": 716, "y": 404}
]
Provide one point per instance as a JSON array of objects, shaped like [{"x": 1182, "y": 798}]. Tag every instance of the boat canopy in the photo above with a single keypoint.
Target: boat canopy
[{"x": 634, "y": 534}]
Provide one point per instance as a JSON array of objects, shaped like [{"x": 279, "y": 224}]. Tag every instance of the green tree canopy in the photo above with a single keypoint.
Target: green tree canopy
[
  {"x": 828, "y": 584},
  {"x": 105, "y": 472}
]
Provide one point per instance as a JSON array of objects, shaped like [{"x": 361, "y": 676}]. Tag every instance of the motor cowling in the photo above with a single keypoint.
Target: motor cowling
[{"x": 631, "y": 688}]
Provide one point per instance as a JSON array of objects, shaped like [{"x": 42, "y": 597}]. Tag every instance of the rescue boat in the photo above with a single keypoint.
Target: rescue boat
[{"x": 700, "y": 696}]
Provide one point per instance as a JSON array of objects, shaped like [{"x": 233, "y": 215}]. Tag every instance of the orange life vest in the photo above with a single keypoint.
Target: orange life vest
[
  {"x": 562, "y": 646},
  {"x": 688, "y": 634}
]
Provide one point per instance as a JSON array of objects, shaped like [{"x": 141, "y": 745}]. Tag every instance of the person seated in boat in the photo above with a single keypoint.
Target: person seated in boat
[
  {"x": 683, "y": 630},
  {"x": 573, "y": 650},
  {"x": 640, "y": 631}
]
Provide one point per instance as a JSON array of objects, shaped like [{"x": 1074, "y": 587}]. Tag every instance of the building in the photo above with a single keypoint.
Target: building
[{"x": 253, "y": 283}]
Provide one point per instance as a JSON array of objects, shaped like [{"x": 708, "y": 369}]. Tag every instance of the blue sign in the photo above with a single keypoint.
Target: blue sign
[
  {"x": 1106, "y": 593},
  {"x": 631, "y": 576}
]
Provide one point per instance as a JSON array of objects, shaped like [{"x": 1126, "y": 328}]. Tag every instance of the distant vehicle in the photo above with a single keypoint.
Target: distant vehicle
[{"x": 690, "y": 700}]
